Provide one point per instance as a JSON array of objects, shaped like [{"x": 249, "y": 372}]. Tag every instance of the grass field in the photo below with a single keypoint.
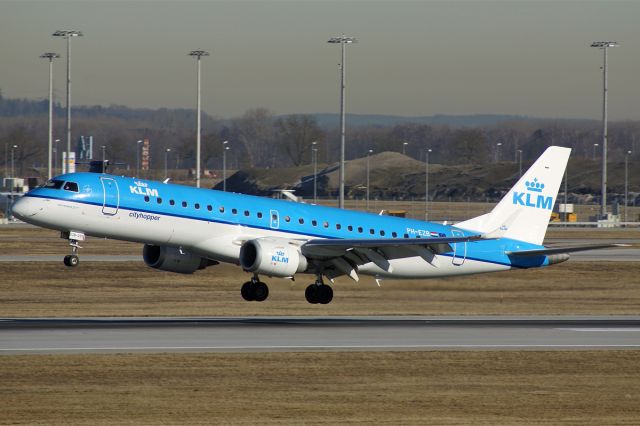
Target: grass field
[
  {"x": 388, "y": 388},
  {"x": 131, "y": 288},
  {"x": 392, "y": 388}
]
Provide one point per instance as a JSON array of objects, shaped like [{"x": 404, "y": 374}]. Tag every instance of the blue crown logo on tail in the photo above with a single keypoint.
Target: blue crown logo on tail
[{"x": 533, "y": 197}]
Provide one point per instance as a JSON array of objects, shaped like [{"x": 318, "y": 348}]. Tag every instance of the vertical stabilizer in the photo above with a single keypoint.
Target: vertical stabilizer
[{"x": 524, "y": 213}]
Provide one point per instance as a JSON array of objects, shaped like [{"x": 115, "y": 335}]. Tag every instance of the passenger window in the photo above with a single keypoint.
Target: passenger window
[
  {"x": 146, "y": 198},
  {"x": 259, "y": 215},
  {"x": 71, "y": 186},
  {"x": 246, "y": 212},
  {"x": 325, "y": 224},
  {"x": 287, "y": 219},
  {"x": 221, "y": 209},
  {"x": 54, "y": 184},
  {"x": 197, "y": 206},
  {"x": 172, "y": 202},
  {"x": 372, "y": 231},
  {"x": 234, "y": 211},
  {"x": 360, "y": 229},
  {"x": 209, "y": 207},
  {"x": 301, "y": 221},
  {"x": 314, "y": 222},
  {"x": 382, "y": 233},
  {"x": 394, "y": 234},
  {"x": 406, "y": 235},
  {"x": 350, "y": 228},
  {"x": 338, "y": 226},
  {"x": 159, "y": 200},
  {"x": 184, "y": 204}
]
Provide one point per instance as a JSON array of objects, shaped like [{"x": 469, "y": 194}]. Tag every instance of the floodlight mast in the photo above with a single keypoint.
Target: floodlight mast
[
  {"x": 604, "y": 45},
  {"x": 343, "y": 40},
  {"x": 50, "y": 56},
  {"x": 68, "y": 34},
  {"x": 198, "y": 54}
]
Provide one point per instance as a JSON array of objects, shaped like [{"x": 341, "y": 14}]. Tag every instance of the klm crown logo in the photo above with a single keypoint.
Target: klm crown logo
[
  {"x": 534, "y": 186},
  {"x": 533, "y": 196}
]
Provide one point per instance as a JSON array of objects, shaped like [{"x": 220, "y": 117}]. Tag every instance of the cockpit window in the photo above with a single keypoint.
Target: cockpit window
[
  {"x": 71, "y": 186},
  {"x": 54, "y": 184}
]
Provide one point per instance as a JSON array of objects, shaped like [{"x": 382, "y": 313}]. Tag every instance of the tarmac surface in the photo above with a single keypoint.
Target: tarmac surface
[{"x": 293, "y": 334}]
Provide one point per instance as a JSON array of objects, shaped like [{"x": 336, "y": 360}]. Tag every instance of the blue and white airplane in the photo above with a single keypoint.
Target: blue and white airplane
[{"x": 185, "y": 229}]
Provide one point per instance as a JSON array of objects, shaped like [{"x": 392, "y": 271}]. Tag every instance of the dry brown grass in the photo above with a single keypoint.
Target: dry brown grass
[
  {"x": 132, "y": 289},
  {"x": 444, "y": 388}
]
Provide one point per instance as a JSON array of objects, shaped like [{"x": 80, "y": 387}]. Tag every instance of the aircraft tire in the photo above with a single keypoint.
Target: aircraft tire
[
  {"x": 325, "y": 294},
  {"x": 260, "y": 291},
  {"x": 71, "y": 260},
  {"x": 247, "y": 291},
  {"x": 311, "y": 294}
]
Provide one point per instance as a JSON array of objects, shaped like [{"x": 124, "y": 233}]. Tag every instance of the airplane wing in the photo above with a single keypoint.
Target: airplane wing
[
  {"x": 344, "y": 256},
  {"x": 560, "y": 250}
]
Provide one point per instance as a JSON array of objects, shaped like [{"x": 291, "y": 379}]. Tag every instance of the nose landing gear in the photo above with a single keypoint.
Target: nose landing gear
[{"x": 72, "y": 260}]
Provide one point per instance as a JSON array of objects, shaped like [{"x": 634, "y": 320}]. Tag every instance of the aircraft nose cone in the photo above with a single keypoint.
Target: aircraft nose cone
[{"x": 24, "y": 208}]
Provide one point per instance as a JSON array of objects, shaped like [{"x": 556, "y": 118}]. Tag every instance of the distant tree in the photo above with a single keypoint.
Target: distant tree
[
  {"x": 468, "y": 146},
  {"x": 254, "y": 133},
  {"x": 294, "y": 135}
]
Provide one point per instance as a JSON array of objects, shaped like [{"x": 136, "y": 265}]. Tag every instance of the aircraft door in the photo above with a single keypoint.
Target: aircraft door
[
  {"x": 111, "y": 199},
  {"x": 275, "y": 219},
  {"x": 459, "y": 249}
]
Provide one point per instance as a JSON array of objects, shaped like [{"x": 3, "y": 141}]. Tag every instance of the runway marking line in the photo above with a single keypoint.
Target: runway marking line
[{"x": 295, "y": 347}]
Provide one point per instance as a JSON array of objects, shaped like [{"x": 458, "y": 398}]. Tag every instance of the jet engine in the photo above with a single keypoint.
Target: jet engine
[
  {"x": 274, "y": 257},
  {"x": 174, "y": 260}
]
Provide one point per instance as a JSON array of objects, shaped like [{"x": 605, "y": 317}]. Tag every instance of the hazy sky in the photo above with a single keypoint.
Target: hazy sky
[{"x": 412, "y": 58}]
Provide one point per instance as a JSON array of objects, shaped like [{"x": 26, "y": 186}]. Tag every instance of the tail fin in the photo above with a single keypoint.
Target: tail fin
[{"x": 523, "y": 214}]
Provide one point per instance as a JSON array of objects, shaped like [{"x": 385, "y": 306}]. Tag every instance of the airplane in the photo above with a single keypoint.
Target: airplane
[{"x": 185, "y": 229}]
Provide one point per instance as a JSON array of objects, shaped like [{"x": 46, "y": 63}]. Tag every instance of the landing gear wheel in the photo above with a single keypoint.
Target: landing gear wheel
[
  {"x": 311, "y": 294},
  {"x": 247, "y": 291},
  {"x": 71, "y": 260},
  {"x": 260, "y": 291},
  {"x": 325, "y": 294}
]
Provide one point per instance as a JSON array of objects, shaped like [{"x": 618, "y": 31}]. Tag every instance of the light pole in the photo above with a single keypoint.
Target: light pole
[
  {"x": 138, "y": 158},
  {"x": 104, "y": 155},
  {"x": 198, "y": 54},
  {"x": 224, "y": 165},
  {"x": 626, "y": 184},
  {"x": 595, "y": 147},
  {"x": 314, "y": 155},
  {"x": 51, "y": 56},
  {"x": 166, "y": 161},
  {"x": 343, "y": 40},
  {"x": 604, "y": 45},
  {"x": 404, "y": 148},
  {"x": 498, "y": 145},
  {"x": 426, "y": 184},
  {"x": 368, "y": 173},
  {"x": 68, "y": 35},
  {"x": 55, "y": 154},
  {"x": 519, "y": 154},
  {"x": 13, "y": 147}
]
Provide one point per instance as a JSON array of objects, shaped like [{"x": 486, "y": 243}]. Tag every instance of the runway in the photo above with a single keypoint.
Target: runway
[{"x": 290, "y": 334}]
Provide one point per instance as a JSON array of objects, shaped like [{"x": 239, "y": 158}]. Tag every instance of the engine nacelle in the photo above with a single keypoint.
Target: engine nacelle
[
  {"x": 274, "y": 257},
  {"x": 171, "y": 259}
]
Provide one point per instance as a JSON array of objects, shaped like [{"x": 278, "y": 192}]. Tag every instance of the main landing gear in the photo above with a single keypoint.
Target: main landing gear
[
  {"x": 319, "y": 292},
  {"x": 255, "y": 290},
  {"x": 72, "y": 260}
]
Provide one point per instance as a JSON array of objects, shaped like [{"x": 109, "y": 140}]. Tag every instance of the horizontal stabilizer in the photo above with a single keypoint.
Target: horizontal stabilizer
[{"x": 559, "y": 250}]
